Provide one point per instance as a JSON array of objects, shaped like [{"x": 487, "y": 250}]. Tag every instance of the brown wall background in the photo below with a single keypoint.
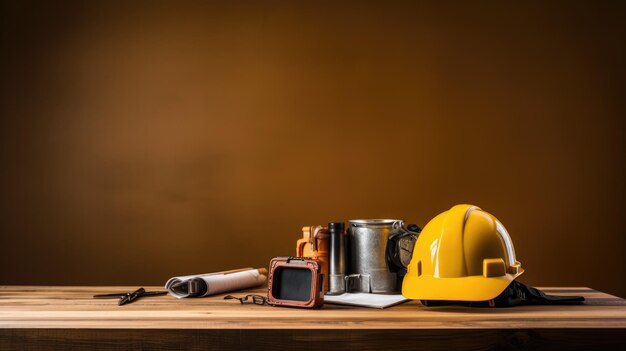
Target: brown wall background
[{"x": 141, "y": 140}]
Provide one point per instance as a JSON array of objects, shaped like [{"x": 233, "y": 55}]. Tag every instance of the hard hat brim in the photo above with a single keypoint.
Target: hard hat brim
[{"x": 472, "y": 288}]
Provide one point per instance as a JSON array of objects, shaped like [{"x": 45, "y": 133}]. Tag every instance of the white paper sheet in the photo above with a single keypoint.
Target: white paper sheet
[{"x": 365, "y": 300}]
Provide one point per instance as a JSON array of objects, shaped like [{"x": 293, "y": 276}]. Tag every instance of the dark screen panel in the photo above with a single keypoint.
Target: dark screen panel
[{"x": 292, "y": 284}]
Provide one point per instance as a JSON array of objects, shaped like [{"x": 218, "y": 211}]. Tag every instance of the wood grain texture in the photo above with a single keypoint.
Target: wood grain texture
[
  {"x": 69, "y": 318},
  {"x": 313, "y": 339},
  {"x": 74, "y": 307}
]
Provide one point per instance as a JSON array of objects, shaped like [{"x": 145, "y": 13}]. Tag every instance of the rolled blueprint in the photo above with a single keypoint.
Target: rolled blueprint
[{"x": 199, "y": 285}]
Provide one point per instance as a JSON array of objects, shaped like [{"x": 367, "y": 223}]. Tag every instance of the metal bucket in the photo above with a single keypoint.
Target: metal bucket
[{"x": 369, "y": 268}]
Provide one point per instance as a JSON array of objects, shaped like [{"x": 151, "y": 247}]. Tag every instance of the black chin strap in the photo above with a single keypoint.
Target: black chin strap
[
  {"x": 515, "y": 294},
  {"x": 534, "y": 296}
]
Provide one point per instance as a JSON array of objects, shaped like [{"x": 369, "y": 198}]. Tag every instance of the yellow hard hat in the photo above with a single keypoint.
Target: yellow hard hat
[{"x": 463, "y": 254}]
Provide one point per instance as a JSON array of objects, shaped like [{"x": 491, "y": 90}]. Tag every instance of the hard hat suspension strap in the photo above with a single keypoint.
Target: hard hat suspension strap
[{"x": 515, "y": 294}]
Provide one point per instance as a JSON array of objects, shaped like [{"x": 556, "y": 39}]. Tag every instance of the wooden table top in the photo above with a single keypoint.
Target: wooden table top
[{"x": 32, "y": 307}]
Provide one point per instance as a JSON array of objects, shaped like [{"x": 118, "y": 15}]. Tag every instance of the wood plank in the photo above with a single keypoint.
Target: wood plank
[
  {"x": 312, "y": 339},
  {"x": 29, "y": 307}
]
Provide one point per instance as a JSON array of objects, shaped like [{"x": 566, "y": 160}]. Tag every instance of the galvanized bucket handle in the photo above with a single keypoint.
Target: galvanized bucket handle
[{"x": 399, "y": 224}]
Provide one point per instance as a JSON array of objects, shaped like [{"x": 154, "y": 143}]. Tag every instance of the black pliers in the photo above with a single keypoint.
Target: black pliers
[{"x": 128, "y": 297}]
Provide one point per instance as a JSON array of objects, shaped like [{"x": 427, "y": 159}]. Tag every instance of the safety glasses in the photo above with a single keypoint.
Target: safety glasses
[{"x": 255, "y": 299}]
